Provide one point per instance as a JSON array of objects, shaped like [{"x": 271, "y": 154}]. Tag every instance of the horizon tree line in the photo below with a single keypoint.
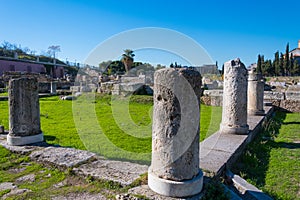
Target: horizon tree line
[{"x": 283, "y": 64}]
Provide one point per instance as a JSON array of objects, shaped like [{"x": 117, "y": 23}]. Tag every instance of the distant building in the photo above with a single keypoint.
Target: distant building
[
  {"x": 207, "y": 69},
  {"x": 20, "y": 66},
  {"x": 296, "y": 53},
  {"x": 17, "y": 65}
]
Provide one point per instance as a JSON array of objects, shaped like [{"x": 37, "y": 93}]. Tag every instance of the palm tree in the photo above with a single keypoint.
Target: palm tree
[{"x": 127, "y": 59}]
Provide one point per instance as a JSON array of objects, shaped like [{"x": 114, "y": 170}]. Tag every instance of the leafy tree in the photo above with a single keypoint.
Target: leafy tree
[
  {"x": 159, "y": 66},
  {"x": 103, "y": 65}
]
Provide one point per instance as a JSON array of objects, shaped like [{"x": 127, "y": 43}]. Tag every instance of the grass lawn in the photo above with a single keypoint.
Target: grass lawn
[
  {"x": 272, "y": 162},
  {"x": 121, "y": 129},
  {"x": 115, "y": 128},
  {"x": 42, "y": 186}
]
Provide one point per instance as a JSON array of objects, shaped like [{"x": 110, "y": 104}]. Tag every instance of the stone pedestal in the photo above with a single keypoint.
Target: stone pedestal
[
  {"x": 255, "y": 93},
  {"x": 174, "y": 169},
  {"x": 234, "y": 115},
  {"x": 53, "y": 88},
  {"x": 24, "y": 112}
]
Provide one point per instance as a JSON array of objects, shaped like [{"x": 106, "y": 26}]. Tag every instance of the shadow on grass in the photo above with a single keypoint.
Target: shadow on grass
[
  {"x": 49, "y": 138},
  {"x": 290, "y": 123},
  {"x": 254, "y": 162},
  {"x": 287, "y": 145}
]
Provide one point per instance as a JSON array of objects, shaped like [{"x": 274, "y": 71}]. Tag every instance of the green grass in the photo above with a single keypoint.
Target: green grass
[
  {"x": 271, "y": 162},
  {"x": 14, "y": 166},
  {"x": 57, "y": 123},
  {"x": 121, "y": 129},
  {"x": 210, "y": 119},
  {"x": 3, "y": 94},
  {"x": 118, "y": 128}
]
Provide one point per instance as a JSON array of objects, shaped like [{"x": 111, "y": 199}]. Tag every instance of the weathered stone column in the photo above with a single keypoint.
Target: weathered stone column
[
  {"x": 24, "y": 112},
  {"x": 255, "y": 93},
  {"x": 234, "y": 115},
  {"x": 174, "y": 169},
  {"x": 53, "y": 88}
]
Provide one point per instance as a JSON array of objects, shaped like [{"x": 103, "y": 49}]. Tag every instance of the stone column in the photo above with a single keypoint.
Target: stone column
[
  {"x": 234, "y": 115},
  {"x": 53, "y": 88},
  {"x": 24, "y": 112},
  {"x": 174, "y": 169},
  {"x": 255, "y": 93}
]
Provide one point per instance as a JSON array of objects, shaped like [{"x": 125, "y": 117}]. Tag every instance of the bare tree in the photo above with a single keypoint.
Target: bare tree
[{"x": 52, "y": 50}]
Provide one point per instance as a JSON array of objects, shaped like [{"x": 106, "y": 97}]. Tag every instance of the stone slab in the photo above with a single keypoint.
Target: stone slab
[
  {"x": 223, "y": 142},
  {"x": 15, "y": 192},
  {"x": 270, "y": 95},
  {"x": 62, "y": 157},
  {"x": 122, "y": 172},
  {"x": 80, "y": 196},
  {"x": 253, "y": 121},
  {"x": 7, "y": 186},
  {"x": 246, "y": 189},
  {"x": 213, "y": 160},
  {"x": 26, "y": 179},
  {"x": 148, "y": 193}
]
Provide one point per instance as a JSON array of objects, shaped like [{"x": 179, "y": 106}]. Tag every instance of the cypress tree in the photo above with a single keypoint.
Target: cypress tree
[
  {"x": 286, "y": 63},
  {"x": 263, "y": 66},
  {"x": 269, "y": 70},
  {"x": 296, "y": 68},
  {"x": 276, "y": 65},
  {"x": 281, "y": 63},
  {"x": 258, "y": 68}
]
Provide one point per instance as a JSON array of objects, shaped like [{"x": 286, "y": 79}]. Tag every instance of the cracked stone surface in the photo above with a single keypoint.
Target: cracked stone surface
[
  {"x": 28, "y": 178},
  {"x": 7, "y": 186},
  {"x": 80, "y": 196},
  {"x": 15, "y": 192},
  {"x": 62, "y": 157},
  {"x": 122, "y": 172},
  {"x": 147, "y": 192}
]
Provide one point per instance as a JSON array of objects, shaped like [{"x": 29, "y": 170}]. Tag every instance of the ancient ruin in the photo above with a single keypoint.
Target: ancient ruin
[
  {"x": 255, "y": 93},
  {"x": 24, "y": 112},
  {"x": 174, "y": 169},
  {"x": 234, "y": 115}
]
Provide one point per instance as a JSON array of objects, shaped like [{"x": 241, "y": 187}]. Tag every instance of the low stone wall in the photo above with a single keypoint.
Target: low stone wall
[
  {"x": 212, "y": 97},
  {"x": 45, "y": 87},
  {"x": 288, "y": 100}
]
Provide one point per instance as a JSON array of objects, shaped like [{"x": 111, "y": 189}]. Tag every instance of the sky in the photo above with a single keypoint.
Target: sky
[{"x": 223, "y": 29}]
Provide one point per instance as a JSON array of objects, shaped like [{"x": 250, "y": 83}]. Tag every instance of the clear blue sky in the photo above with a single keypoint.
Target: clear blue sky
[{"x": 225, "y": 29}]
